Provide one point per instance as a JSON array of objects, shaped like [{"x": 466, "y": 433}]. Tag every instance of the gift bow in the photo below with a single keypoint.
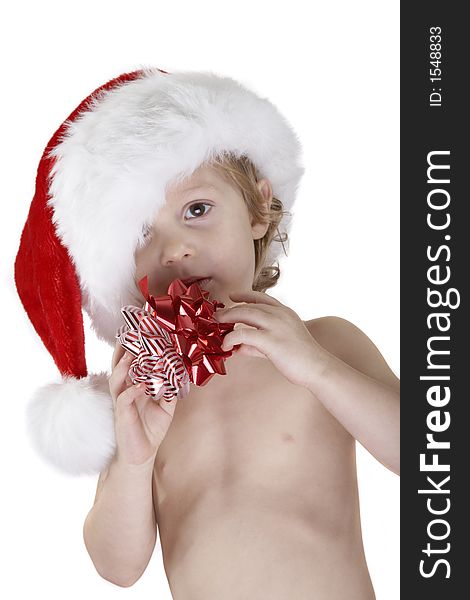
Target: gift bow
[{"x": 174, "y": 340}]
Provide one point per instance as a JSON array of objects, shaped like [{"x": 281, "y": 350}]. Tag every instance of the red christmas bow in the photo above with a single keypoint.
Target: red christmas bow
[{"x": 175, "y": 339}]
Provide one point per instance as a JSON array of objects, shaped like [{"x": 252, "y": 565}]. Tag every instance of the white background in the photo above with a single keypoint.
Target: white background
[{"x": 333, "y": 70}]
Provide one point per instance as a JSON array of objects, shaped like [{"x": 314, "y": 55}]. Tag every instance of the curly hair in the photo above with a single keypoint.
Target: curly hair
[{"x": 242, "y": 174}]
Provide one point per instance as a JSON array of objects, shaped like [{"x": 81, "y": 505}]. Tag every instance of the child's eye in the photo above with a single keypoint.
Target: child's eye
[{"x": 198, "y": 212}]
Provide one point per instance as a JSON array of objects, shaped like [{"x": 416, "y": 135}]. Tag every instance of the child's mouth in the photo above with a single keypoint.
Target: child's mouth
[{"x": 201, "y": 282}]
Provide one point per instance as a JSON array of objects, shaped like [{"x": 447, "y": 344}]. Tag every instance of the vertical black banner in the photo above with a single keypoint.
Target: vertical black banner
[{"x": 435, "y": 356}]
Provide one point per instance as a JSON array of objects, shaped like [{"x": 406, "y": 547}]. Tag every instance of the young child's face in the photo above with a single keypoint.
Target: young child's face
[{"x": 204, "y": 229}]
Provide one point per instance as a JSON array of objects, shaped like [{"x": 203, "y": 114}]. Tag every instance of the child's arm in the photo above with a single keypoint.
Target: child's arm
[
  {"x": 120, "y": 530},
  {"x": 357, "y": 386}
]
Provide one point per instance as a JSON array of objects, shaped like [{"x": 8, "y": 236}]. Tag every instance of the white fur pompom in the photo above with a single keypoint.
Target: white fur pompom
[{"x": 71, "y": 424}]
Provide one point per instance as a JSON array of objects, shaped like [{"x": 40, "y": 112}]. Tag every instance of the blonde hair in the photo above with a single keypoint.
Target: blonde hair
[{"x": 241, "y": 173}]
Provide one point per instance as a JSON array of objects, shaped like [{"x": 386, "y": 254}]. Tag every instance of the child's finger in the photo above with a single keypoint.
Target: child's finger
[
  {"x": 244, "y": 349},
  {"x": 117, "y": 355},
  {"x": 128, "y": 396},
  {"x": 117, "y": 380}
]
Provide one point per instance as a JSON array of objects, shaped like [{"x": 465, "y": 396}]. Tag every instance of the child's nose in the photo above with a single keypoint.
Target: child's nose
[{"x": 175, "y": 250}]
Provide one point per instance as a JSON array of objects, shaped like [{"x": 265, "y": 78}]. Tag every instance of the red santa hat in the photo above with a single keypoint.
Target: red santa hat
[{"x": 100, "y": 182}]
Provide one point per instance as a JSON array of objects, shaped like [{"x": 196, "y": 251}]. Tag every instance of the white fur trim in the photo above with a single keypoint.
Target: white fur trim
[
  {"x": 116, "y": 158},
  {"x": 71, "y": 424}
]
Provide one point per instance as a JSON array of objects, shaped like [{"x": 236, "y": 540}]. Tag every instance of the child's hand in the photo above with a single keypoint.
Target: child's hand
[
  {"x": 140, "y": 422},
  {"x": 277, "y": 333}
]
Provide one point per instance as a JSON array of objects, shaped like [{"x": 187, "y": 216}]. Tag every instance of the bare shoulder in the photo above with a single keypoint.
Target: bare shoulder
[{"x": 345, "y": 340}]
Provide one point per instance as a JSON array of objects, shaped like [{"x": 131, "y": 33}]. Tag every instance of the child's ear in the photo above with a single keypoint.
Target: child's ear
[{"x": 260, "y": 229}]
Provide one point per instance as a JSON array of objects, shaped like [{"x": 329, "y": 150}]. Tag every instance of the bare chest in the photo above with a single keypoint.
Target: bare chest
[
  {"x": 251, "y": 430},
  {"x": 256, "y": 478}
]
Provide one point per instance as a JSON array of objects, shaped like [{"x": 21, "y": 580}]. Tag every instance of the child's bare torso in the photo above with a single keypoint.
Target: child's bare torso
[{"x": 256, "y": 493}]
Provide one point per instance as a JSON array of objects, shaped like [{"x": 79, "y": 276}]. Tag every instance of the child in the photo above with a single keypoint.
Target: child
[{"x": 251, "y": 478}]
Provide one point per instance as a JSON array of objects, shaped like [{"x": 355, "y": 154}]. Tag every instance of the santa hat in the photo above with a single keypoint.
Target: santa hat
[{"x": 100, "y": 181}]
